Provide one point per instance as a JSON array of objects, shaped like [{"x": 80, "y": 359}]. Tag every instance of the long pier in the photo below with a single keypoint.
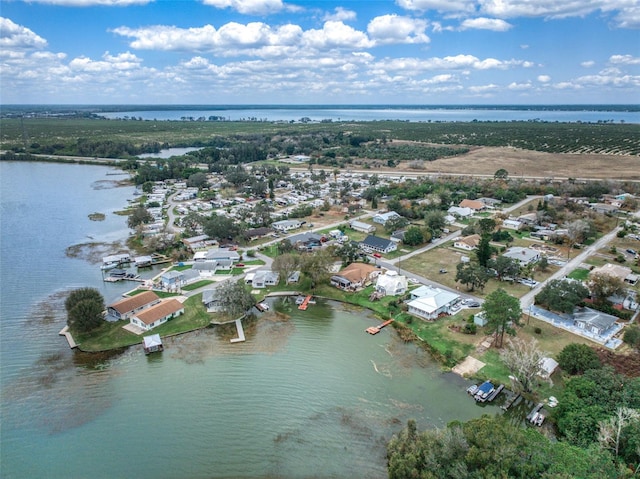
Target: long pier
[
  {"x": 240, "y": 337},
  {"x": 305, "y": 304}
]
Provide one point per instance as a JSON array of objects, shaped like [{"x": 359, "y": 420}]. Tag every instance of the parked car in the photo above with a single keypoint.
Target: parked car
[
  {"x": 442, "y": 271},
  {"x": 377, "y": 255},
  {"x": 631, "y": 251},
  {"x": 472, "y": 304}
]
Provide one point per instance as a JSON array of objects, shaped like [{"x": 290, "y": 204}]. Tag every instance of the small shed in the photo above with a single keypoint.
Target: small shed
[
  {"x": 152, "y": 344},
  {"x": 547, "y": 367}
]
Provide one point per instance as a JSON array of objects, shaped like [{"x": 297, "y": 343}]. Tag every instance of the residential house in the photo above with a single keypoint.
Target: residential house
[
  {"x": 257, "y": 233},
  {"x": 398, "y": 236},
  {"x": 475, "y": 205},
  {"x": 490, "y": 202},
  {"x": 528, "y": 219},
  {"x": 604, "y": 208},
  {"x": 432, "y": 302},
  {"x": 293, "y": 278},
  {"x": 158, "y": 314},
  {"x": 382, "y": 218},
  {"x": 172, "y": 279},
  {"x": 374, "y": 243},
  {"x": 460, "y": 212},
  {"x": 127, "y": 307},
  {"x": 198, "y": 242},
  {"x": 212, "y": 300},
  {"x": 354, "y": 276},
  {"x": 525, "y": 256},
  {"x": 306, "y": 241},
  {"x": 264, "y": 277},
  {"x": 511, "y": 224},
  {"x": 467, "y": 243},
  {"x": 593, "y": 321},
  {"x": 286, "y": 225},
  {"x": 362, "y": 227},
  {"x": 623, "y": 273},
  {"x": 391, "y": 283},
  {"x": 206, "y": 269}
]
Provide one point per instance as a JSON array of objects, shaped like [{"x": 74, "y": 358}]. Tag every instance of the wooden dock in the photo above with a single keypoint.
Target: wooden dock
[
  {"x": 240, "y": 337},
  {"x": 534, "y": 411},
  {"x": 377, "y": 329},
  {"x": 495, "y": 393},
  {"x": 65, "y": 332},
  {"x": 510, "y": 400},
  {"x": 305, "y": 304}
]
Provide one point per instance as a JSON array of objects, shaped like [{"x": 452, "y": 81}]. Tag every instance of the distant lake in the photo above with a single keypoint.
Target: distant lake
[
  {"x": 313, "y": 396},
  {"x": 169, "y": 152},
  {"x": 413, "y": 114}
]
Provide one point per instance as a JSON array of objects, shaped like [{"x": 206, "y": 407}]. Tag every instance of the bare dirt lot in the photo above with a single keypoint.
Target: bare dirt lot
[{"x": 487, "y": 160}]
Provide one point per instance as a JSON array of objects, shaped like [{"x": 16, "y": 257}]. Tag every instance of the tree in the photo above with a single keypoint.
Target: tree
[
  {"x": 197, "y": 180},
  {"x": 395, "y": 223},
  {"x": 505, "y": 267},
  {"x": 578, "y": 358},
  {"x": 316, "y": 266},
  {"x": 486, "y": 226},
  {"x": 221, "y": 227},
  {"x": 603, "y": 285},
  {"x": 577, "y": 232},
  {"x": 471, "y": 275},
  {"x": 502, "y": 311},
  {"x": 348, "y": 253},
  {"x": 235, "y": 300},
  {"x": 139, "y": 216},
  {"x": 523, "y": 358},
  {"x": 632, "y": 336},
  {"x": 435, "y": 220},
  {"x": 286, "y": 264},
  {"x": 85, "y": 307},
  {"x": 413, "y": 236},
  {"x": 562, "y": 295},
  {"x": 501, "y": 174},
  {"x": 543, "y": 264},
  {"x": 484, "y": 251},
  {"x": 611, "y": 429}
]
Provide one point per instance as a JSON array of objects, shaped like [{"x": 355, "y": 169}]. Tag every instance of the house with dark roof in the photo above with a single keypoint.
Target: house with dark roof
[
  {"x": 596, "y": 322},
  {"x": 376, "y": 244},
  {"x": 158, "y": 314},
  {"x": 257, "y": 233},
  {"x": 128, "y": 307},
  {"x": 211, "y": 299}
]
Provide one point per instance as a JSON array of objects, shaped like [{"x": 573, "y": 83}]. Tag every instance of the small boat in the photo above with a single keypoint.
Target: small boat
[
  {"x": 483, "y": 392},
  {"x": 262, "y": 307},
  {"x": 471, "y": 390}
]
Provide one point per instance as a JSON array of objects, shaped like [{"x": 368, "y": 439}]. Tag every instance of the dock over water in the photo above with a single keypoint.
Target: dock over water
[
  {"x": 377, "y": 329},
  {"x": 240, "y": 337},
  {"x": 65, "y": 332},
  {"x": 305, "y": 304}
]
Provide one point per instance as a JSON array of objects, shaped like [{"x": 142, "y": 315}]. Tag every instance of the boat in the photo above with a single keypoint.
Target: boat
[
  {"x": 483, "y": 391},
  {"x": 262, "y": 307},
  {"x": 471, "y": 390}
]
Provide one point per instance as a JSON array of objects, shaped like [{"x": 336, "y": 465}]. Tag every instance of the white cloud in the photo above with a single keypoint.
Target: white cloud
[
  {"x": 514, "y": 86},
  {"x": 624, "y": 60},
  {"x": 439, "y": 5},
  {"x": 388, "y": 29},
  {"x": 484, "y": 89},
  {"x": 482, "y": 23},
  {"x": 544, "y": 78},
  {"x": 560, "y": 8},
  {"x": 336, "y": 35},
  {"x": 248, "y": 7},
  {"x": 340, "y": 15},
  {"x": 588, "y": 64},
  {"x": 90, "y": 3},
  {"x": 14, "y": 36},
  {"x": 629, "y": 17},
  {"x": 109, "y": 63}
]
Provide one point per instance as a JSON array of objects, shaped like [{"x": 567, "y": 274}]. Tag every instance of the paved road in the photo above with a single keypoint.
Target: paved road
[{"x": 527, "y": 300}]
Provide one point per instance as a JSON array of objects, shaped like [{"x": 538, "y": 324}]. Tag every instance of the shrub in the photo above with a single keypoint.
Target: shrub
[
  {"x": 632, "y": 336},
  {"x": 537, "y": 330},
  {"x": 470, "y": 329},
  {"x": 578, "y": 358}
]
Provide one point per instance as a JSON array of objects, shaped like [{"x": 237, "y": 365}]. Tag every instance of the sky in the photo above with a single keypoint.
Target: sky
[{"x": 405, "y": 52}]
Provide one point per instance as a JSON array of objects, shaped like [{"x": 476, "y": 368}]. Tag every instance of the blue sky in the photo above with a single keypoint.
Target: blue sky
[{"x": 320, "y": 52}]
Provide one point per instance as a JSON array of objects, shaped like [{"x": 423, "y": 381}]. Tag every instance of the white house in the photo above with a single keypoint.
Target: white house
[
  {"x": 382, "y": 218},
  {"x": 391, "y": 283},
  {"x": 128, "y": 307},
  {"x": 459, "y": 212},
  {"x": 525, "y": 256},
  {"x": 362, "y": 227},
  {"x": 376, "y": 244},
  {"x": 433, "y": 303},
  {"x": 264, "y": 278},
  {"x": 286, "y": 225},
  {"x": 158, "y": 314},
  {"x": 512, "y": 224},
  {"x": 467, "y": 243}
]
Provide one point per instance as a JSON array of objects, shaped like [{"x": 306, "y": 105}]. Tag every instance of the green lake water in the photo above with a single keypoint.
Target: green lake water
[{"x": 312, "y": 396}]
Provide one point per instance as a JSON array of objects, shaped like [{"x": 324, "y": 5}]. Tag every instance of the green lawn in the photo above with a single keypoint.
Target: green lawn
[
  {"x": 580, "y": 274},
  {"x": 112, "y": 336}
]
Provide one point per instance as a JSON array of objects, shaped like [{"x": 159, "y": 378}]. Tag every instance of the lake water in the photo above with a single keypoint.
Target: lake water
[
  {"x": 414, "y": 114},
  {"x": 314, "y": 396},
  {"x": 169, "y": 152}
]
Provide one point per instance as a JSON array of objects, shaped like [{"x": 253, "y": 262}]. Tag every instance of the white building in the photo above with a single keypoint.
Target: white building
[
  {"x": 391, "y": 283},
  {"x": 432, "y": 302}
]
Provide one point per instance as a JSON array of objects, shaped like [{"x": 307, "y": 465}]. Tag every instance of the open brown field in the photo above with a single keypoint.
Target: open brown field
[{"x": 518, "y": 162}]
